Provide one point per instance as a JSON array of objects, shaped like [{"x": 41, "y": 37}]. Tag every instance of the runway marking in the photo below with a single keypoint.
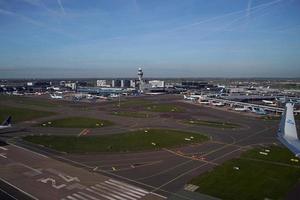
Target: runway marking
[
  {"x": 8, "y": 194},
  {"x": 99, "y": 194},
  {"x": 3, "y": 148},
  {"x": 80, "y": 197},
  {"x": 88, "y": 196},
  {"x": 84, "y": 132},
  {"x": 103, "y": 185},
  {"x": 29, "y": 150},
  {"x": 3, "y": 155},
  {"x": 72, "y": 198},
  {"x": 190, "y": 157},
  {"x": 19, "y": 189}
]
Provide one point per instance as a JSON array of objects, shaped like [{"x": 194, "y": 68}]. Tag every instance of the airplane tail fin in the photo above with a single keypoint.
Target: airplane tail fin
[
  {"x": 289, "y": 122},
  {"x": 7, "y": 122}
]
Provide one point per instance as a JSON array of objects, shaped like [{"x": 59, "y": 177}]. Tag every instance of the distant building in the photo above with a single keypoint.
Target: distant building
[
  {"x": 71, "y": 85},
  {"x": 102, "y": 83},
  {"x": 157, "y": 84}
]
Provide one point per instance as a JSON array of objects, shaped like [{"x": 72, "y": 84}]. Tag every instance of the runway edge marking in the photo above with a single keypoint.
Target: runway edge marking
[{"x": 26, "y": 193}]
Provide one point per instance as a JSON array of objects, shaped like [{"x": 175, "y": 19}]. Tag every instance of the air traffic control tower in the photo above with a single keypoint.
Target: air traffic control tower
[{"x": 141, "y": 82}]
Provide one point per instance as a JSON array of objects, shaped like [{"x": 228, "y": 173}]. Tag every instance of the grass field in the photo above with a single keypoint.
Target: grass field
[
  {"x": 32, "y": 101},
  {"x": 164, "y": 108},
  {"x": 132, "y": 102},
  {"x": 259, "y": 176},
  {"x": 132, "y": 114},
  {"x": 21, "y": 114},
  {"x": 77, "y": 122},
  {"x": 130, "y": 141},
  {"x": 297, "y": 117},
  {"x": 215, "y": 124}
]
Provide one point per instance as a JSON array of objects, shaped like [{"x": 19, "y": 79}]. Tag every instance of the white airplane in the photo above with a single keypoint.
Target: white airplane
[
  {"x": 267, "y": 102},
  {"x": 287, "y": 132},
  {"x": 191, "y": 98},
  {"x": 217, "y": 104},
  {"x": 241, "y": 109},
  {"x": 54, "y": 96},
  {"x": 203, "y": 102},
  {"x": 6, "y": 123}
]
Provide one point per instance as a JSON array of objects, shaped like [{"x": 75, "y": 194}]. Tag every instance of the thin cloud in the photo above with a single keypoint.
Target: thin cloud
[
  {"x": 61, "y": 6},
  {"x": 248, "y": 8},
  {"x": 35, "y": 22}
]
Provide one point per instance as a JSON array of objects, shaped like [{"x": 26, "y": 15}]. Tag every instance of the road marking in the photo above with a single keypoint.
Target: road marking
[
  {"x": 158, "y": 195},
  {"x": 109, "y": 193},
  {"x": 8, "y": 194},
  {"x": 80, "y": 197},
  {"x": 3, "y": 155},
  {"x": 89, "y": 196},
  {"x": 3, "y": 148},
  {"x": 130, "y": 186},
  {"x": 19, "y": 189},
  {"x": 29, "y": 151},
  {"x": 103, "y": 185},
  {"x": 101, "y": 195},
  {"x": 72, "y": 198},
  {"x": 124, "y": 188}
]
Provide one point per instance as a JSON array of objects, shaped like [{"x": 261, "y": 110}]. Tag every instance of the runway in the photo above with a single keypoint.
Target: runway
[{"x": 45, "y": 178}]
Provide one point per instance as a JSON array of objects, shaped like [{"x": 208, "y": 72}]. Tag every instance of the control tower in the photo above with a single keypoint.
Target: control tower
[{"x": 140, "y": 75}]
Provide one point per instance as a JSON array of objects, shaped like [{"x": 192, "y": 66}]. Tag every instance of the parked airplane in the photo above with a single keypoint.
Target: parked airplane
[
  {"x": 191, "y": 98},
  {"x": 54, "y": 96},
  {"x": 6, "y": 123},
  {"x": 259, "y": 111},
  {"x": 267, "y": 102},
  {"x": 217, "y": 103},
  {"x": 241, "y": 109},
  {"x": 287, "y": 132}
]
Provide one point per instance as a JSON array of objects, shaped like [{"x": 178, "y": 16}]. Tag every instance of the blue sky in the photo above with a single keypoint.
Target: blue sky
[{"x": 168, "y": 38}]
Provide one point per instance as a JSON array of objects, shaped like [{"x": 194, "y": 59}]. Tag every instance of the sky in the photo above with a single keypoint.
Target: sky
[{"x": 167, "y": 38}]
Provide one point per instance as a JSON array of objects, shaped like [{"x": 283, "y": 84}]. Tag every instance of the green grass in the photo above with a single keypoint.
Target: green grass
[
  {"x": 297, "y": 117},
  {"x": 258, "y": 177},
  {"x": 77, "y": 122},
  {"x": 21, "y": 114},
  {"x": 130, "y": 141},
  {"x": 132, "y": 103},
  {"x": 214, "y": 124},
  {"x": 31, "y": 101},
  {"x": 164, "y": 108},
  {"x": 132, "y": 114}
]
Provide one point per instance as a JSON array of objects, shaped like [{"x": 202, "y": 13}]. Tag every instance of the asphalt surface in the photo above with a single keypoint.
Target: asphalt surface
[{"x": 164, "y": 172}]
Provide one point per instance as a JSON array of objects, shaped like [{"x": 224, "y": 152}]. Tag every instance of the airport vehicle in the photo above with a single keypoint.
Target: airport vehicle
[
  {"x": 287, "y": 132},
  {"x": 6, "y": 123},
  {"x": 258, "y": 110},
  {"x": 55, "y": 96}
]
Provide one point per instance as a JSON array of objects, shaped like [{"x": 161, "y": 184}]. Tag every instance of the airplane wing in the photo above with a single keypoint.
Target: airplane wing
[{"x": 287, "y": 133}]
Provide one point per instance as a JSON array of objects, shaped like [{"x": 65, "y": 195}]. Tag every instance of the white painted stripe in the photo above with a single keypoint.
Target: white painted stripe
[
  {"x": 109, "y": 193},
  {"x": 3, "y": 148},
  {"x": 29, "y": 151},
  {"x": 125, "y": 188},
  {"x": 72, "y": 198},
  {"x": 118, "y": 190},
  {"x": 8, "y": 194},
  {"x": 89, "y": 196},
  {"x": 158, "y": 195},
  {"x": 19, "y": 189},
  {"x": 101, "y": 195},
  {"x": 80, "y": 197},
  {"x": 130, "y": 186},
  {"x": 3, "y": 155}
]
